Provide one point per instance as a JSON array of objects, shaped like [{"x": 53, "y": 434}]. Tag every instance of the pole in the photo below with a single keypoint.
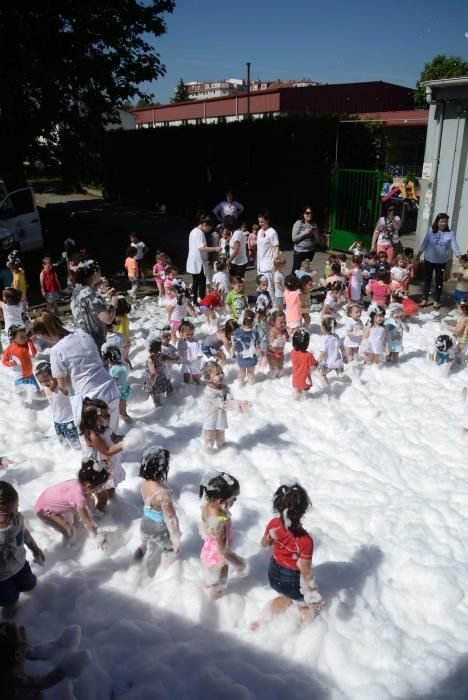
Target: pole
[{"x": 248, "y": 89}]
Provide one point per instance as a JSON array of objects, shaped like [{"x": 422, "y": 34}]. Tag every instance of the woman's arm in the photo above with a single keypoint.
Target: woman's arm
[
  {"x": 423, "y": 245},
  {"x": 275, "y": 250},
  {"x": 454, "y": 244},
  {"x": 216, "y": 211},
  {"x": 63, "y": 385},
  {"x": 235, "y": 252}
]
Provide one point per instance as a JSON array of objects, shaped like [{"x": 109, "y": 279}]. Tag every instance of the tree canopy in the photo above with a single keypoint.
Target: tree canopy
[
  {"x": 441, "y": 66},
  {"x": 68, "y": 65},
  {"x": 181, "y": 92}
]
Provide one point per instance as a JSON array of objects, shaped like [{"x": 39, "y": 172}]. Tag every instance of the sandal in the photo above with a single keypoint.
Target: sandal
[
  {"x": 437, "y": 305},
  {"x": 424, "y": 302}
]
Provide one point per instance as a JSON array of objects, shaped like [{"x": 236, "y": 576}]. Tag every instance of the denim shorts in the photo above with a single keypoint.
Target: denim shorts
[
  {"x": 459, "y": 296},
  {"x": 285, "y": 581},
  {"x": 10, "y": 589}
]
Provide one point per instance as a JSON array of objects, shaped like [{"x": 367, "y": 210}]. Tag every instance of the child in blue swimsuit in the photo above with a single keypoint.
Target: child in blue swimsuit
[{"x": 119, "y": 371}]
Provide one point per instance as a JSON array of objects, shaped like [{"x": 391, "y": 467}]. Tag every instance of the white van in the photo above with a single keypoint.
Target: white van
[{"x": 20, "y": 224}]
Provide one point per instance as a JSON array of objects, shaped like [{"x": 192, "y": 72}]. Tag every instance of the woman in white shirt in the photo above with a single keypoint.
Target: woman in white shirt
[
  {"x": 228, "y": 208},
  {"x": 197, "y": 259},
  {"x": 237, "y": 259},
  {"x": 267, "y": 249}
]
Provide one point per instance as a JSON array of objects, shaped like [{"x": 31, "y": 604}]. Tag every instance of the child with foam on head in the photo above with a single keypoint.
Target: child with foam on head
[
  {"x": 400, "y": 274},
  {"x": 290, "y": 571},
  {"x": 18, "y": 356},
  {"x": 219, "y": 492},
  {"x": 118, "y": 370},
  {"x": 11, "y": 308},
  {"x": 190, "y": 351},
  {"x": 210, "y": 304},
  {"x": 262, "y": 292},
  {"x": 217, "y": 400},
  {"x": 279, "y": 266},
  {"x": 15, "y": 573},
  {"x": 221, "y": 279},
  {"x": 461, "y": 275},
  {"x": 58, "y": 504},
  {"x": 219, "y": 345},
  {"x": 247, "y": 347},
  {"x": 117, "y": 339},
  {"x": 292, "y": 303},
  {"x": 236, "y": 300},
  {"x": 332, "y": 303},
  {"x": 159, "y": 269},
  {"x": 410, "y": 307},
  {"x": 303, "y": 363},
  {"x": 180, "y": 308},
  {"x": 159, "y": 526},
  {"x": 444, "y": 352},
  {"x": 157, "y": 380},
  {"x": 60, "y": 405},
  {"x": 330, "y": 357},
  {"x": 394, "y": 328},
  {"x": 50, "y": 285},
  {"x": 277, "y": 338},
  {"x": 354, "y": 330},
  {"x": 374, "y": 336},
  {"x": 461, "y": 329}
]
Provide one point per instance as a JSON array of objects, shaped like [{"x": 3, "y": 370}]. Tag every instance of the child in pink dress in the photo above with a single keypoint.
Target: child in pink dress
[
  {"x": 292, "y": 303},
  {"x": 379, "y": 289},
  {"x": 159, "y": 270}
]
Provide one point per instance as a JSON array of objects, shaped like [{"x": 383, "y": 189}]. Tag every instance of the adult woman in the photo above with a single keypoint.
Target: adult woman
[
  {"x": 237, "y": 259},
  {"x": 267, "y": 249},
  {"x": 228, "y": 208},
  {"x": 90, "y": 311},
  {"x": 197, "y": 259},
  {"x": 77, "y": 366},
  {"x": 436, "y": 245},
  {"x": 386, "y": 237},
  {"x": 305, "y": 236}
]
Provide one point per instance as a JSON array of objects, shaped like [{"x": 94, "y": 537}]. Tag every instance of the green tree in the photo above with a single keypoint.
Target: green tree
[
  {"x": 441, "y": 66},
  {"x": 181, "y": 92},
  {"x": 67, "y": 66}
]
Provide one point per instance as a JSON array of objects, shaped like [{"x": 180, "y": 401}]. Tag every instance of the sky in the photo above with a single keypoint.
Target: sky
[{"x": 336, "y": 41}]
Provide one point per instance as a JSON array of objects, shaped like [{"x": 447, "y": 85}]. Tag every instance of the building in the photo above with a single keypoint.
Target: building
[
  {"x": 256, "y": 85},
  {"x": 127, "y": 120},
  {"x": 201, "y": 90},
  {"x": 444, "y": 184}
]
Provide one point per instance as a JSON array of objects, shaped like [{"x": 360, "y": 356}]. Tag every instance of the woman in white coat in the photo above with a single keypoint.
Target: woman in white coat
[
  {"x": 267, "y": 249},
  {"x": 197, "y": 259}
]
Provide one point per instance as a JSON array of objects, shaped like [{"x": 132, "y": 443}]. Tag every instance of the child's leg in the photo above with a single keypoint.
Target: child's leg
[
  {"x": 58, "y": 523},
  {"x": 186, "y": 377},
  {"x": 369, "y": 358},
  {"x": 215, "y": 590},
  {"x": 305, "y": 319},
  {"x": 349, "y": 354},
  {"x": 123, "y": 408},
  {"x": 251, "y": 375},
  {"x": 156, "y": 399},
  {"x": 241, "y": 375},
  {"x": 209, "y": 437},
  {"x": 169, "y": 387},
  {"x": 110, "y": 493},
  {"x": 102, "y": 497},
  {"x": 220, "y": 437},
  {"x": 196, "y": 378}
]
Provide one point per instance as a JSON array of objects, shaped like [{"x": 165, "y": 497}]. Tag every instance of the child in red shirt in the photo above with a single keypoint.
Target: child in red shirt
[
  {"x": 18, "y": 356},
  {"x": 131, "y": 265},
  {"x": 209, "y": 303},
  {"x": 303, "y": 362},
  {"x": 50, "y": 285}
]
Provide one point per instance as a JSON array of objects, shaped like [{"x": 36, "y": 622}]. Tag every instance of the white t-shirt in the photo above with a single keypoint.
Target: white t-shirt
[
  {"x": 355, "y": 284},
  {"x": 12, "y": 314},
  {"x": 353, "y": 331},
  {"x": 117, "y": 339},
  {"x": 60, "y": 406},
  {"x": 140, "y": 249},
  {"x": 266, "y": 241},
  {"x": 330, "y": 345},
  {"x": 228, "y": 209},
  {"x": 400, "y": 273},
  {"x": 197, "y": 260},
  {"x": 377, "y": 340},
  {"x": 221, "y": 280},
  {"x": 279, "y": 283},
  {"x": 241, "y": 257}
]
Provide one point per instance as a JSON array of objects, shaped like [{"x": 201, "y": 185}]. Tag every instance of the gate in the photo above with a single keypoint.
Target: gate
[{"x": 356, "y": 206}]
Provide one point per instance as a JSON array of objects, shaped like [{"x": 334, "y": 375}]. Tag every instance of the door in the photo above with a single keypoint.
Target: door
[
  {"x": 356, "y": 206},
  {"x": 18, "y": 214}
]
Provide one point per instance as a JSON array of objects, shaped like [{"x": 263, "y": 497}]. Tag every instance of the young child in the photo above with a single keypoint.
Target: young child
[
  {"x": 444, "y": 352},
  {"x": 141, "y": 250},
  {"x": 357, "y": 248},
  {"x": 303, "y": 362},
  {"x": 57, "y": 505},
  {"x": 290, "y": 571},
  {"x": 11, "y": 308},
  {"x": 247, "y": 346},
  {"x": 292, "y": 302},
  {"x": 305, "y": 287},
  {"x": 236, "y": 300},
  {"x": 100, "y": 444},
  {"x": 394, "y": 327},
  {"x": 262, "y": 327},
  {"x": 19, "y": 277},
  {"x": 330, "y": 357},
  {"x": 305, "y": 269},
  {"x": 219, "y": 345},
  {"x": 113, "y": 337},
  {"x": 410, "y": 307},
  {"x": 262, "y": 291},
  {"x": 279, "y": 266},
  {"x": 60, "y": 406},
  {"x": 276, "y": 341},
  {"x": 334, "y": 276},
  {"x": 217, "y": 400},
  {"x": 224, "y": 244},
  {"x": 461, "y": 329},
  {"x": 121, "y": 322},
  {"x": 379, "y": 289},
  {"x": 331, "y": 260},
  {"x": 210, "y": 303},
  {"x": 159, "y": 526},
  {"x": 382, "y": 263},
  {"x": 181, "y": 308},
  {"x": 117, "y": 369},
  {"x": 131, "y": 266},
  {"x": 156, "y": 380},
  {"x": 399, "y": 274},
  {"x": 169, "y": 296},
  {"x": 461, "y": 289},
  {"x": 332, "y": 302},
  {"x": 18, "y": 356},
  {"x": 219, "y": 492},
  {"x": 353, "y": 331},
  {"x": 15, "y": 573},
  {"x": 342, "y": 259},
  {"x": 190, "y": 352},
  {"x": 369, "y": 269},
  {"x": 221, "y": 280},
  {"x": 355, "y": 279},
  {"x": 252, "y": 244},
  {"x": 50, "y": 285},
  {"x": 159, "y": 268},
  {"x": 374, "y": 335}
]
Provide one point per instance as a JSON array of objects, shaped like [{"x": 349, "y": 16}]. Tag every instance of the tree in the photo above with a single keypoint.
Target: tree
[
  {"x": 71, "y": 65},
  {"x": 441, "y": 66},
  {"x": 181, "y": 92}
]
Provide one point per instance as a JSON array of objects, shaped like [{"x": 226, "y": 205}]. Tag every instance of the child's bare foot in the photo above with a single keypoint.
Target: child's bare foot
[{"x": 138, "y": 554}]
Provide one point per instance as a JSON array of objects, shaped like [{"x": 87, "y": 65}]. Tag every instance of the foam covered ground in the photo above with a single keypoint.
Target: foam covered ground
[{"x": 383, "y": 455}]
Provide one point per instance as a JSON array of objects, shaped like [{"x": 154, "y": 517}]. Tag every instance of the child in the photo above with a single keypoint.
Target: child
[
  {"x": 224, "y": 244},
  {"x": 353, "y": 331},
  {"x": 334, "y": 276},
  {"x": 330, "y": 357},
  {"x": 305, "y": 269},
  {"x": 15, "y": 573},
  {"x": 159, "y": 268},
  {"x": 305, "y": 288},
  {"x": 210, "y": 303},
  {"x": 11, "y": 308},
  {"x": 117, "y": 339},
  {"x": 140, "y": 251},
  {"x": 159, "y": 526},
  {"x": 113, "y": 359},
  {"x": 355, "y": 278},
  {"x": 60, "y": 406},
  {"x": 221, "y": 280},
  {"x": 292, "y": 301},
  {"x": 357, "y": 248},
  {"x": 444, "y": 352},
  {"x": 374, "y": 334},
  {"x": 461, "y": 289},
  {"x": 57, "y": 505},
  {"x": 216, "y": 401},
  {"x": 181, "y": 307},
  {"x": 190, "y": 352},
  {"x": 382, "y": 263},
  {"x": 379, "y": 289},
  {"x": 50, "y": 285},
  {"x": 369, "y": 267},
  {"x": 219, "y": 344},
  {"x": 276, "y": 341},
  {"x": 410, "y": 307},
  {"x": 290, "y": 572},
  {"x": 219, "y": 492},
  {"x": 121, "y": 322},
  {"x": 100, "y": 444},
  {"x": 156, "y": 380},
  {"x": 394, "y": 327},
  {"x": 279, "y": 265},
  {"x": 303, "y": 362},
  {"x": 342, "y": 259},
  {"x": 461, "y": 329},
  {"x": 262, "y": 327},
  {"x": 399, "y": 274},
  {"x": 236, "y": 300},
  {"x": 247, "y": 345},
  {"x": 262, "y": 291},
  {"x": 331, "y": 303},
  {"x": 331, "y": 260},
  {"x": 252, "y": 244},
  {"x": 131, "y": 265},
  {"x": 18, "y": 356},
  {"x": 19, "y": 277}
]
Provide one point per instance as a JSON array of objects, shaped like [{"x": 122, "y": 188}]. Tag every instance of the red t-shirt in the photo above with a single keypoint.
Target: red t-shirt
[
  {"x": 301, "y": 364},
  {"x": 49, "y": 281},
  {"x": 288, "y": 548},
  {"x": 211, "y": 300}
]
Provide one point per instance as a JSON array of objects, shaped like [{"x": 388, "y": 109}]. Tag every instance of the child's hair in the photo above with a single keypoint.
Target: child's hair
[
  {"x": 443, "y": 343},
  {"x": 218, "y": 485},
  {"x": 186, "y": 325},
  {"x": 464, "y": 257},
  {"x": 230, "y": 327},
  {"x": 409, "y": 252},
  {"x": 358, "y": 244},
  {"x": 85, "y": 270},
  {"x": 43, "y": 368},
  {"x": 278, "y": 262},
  {"x": 332, "y": 258},
  {"x": 395, "y": 308},
  {"x": 92, "y": 472},
  {"x": 220, "y": 265},
  {"x": 463, "y": 306},
  {"x": 382, "y": 254},
  {"x": 356, "y": 259},
  {"x": 383, "y": 275},
  {"x": 236, "y": 279},
  {"x": 372, "y": 255},
  {"x": 154, "y": 464},
  {"x": 169, "y": 269},
  {"x": 11, "y": 296},
  {"x": 209, "y": 368},
  {"x": 335, "y": 286},
  {"x": 8, "y": 494},
  {"x": 300, "y": 340},
  {"x": 165, "y": 331},
  {"x": 46, "y": 260},
  {"x": 160, "y": 256},
  {"x": 304, "y": 264},
  {"x": 335, "y": 268},
  {"x": 352, "y": 306},
  {"x": 14, "y": 329},
  {"x": 342, "y": 257},
  {"x": 255, "y": 227},
  {"x": 135, "y": 234},
  {"x": 401, "y": 259},
  {"x": 328, "y": 325},
  {"x": 131, "y": 251},
  {"x": 304, "y": 281},
  {"x": 275, "y": 316},
  {"x": 244, "y": 223},
  {"x": 111, "y": 354},
  {"x": 291, "y": 283},
  {"x": 122, "y": 308},
  {"x": 92, "y": 408},
  {"x": 248, "y": 318},
  {"x": 261, "y": 278},
  {"x": 397, "y": 295},
  {"x": 375, "y": 310},
  {"x": 291, "y": 502}
]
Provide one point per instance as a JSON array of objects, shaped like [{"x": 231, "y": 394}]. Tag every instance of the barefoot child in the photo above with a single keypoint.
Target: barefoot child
[
  {"x": 353, "y": 331},
  {"x": 216, "y": 401},
  {"x": 18, "y": 356},
  {"x": 190, "y": 352},
  {"x": 118, "y": 370},
  {"x": 159, "y": 269},
  {"x": 374, "y": 335},
  {"x": 292, "y": 302},
  {"x": 247, "y": 347},
  {"x": 303, "y": 362},
  {"x": 156, "y": 380},
  {"x": 60, "y": 405},
  {"x": 276, "y": 341},
  {"x": 394, "y": 328},
  {"x": 330, "y": 357},
  {"x": 50, "y": 285}
]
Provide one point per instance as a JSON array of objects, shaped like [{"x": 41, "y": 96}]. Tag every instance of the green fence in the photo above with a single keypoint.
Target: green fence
[{"x": 356, "y": 206}]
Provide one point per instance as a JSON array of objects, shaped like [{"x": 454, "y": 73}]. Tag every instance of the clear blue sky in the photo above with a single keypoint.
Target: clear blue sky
[{"x": 331, "y": 41}]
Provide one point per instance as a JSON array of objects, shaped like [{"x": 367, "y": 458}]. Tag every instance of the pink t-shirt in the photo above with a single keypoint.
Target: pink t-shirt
[
  {"x": 158, "y": 272},
  {"x": 61, "y": 498},
  {"x": 379, "y": 292},
  {"x": 167, "y": 289},
  {"x": 292, "y": 301}
]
